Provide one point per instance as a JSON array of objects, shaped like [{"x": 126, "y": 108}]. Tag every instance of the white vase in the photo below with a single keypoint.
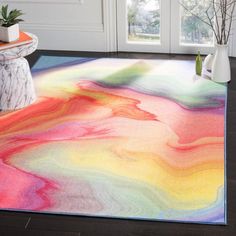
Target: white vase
[
  {"x": 221, "y": 66},
  {"x": 208, "y": 62},
  {"x": 9, "y": 34}
]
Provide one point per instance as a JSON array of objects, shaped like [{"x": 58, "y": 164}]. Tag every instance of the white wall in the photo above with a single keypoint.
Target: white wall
[
  {"x": 232, "y": 43},
  {"x": 67, "y": 24}
]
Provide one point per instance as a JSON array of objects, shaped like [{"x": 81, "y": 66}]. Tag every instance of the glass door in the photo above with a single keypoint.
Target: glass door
[
  {"x": 143, "y": 25},
  {"x": 163, "y": 26},
  {"x": 188, "y": 33}
]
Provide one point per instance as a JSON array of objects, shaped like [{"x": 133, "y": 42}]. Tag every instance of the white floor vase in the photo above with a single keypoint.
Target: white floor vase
[{"x": 221, "y": 65}]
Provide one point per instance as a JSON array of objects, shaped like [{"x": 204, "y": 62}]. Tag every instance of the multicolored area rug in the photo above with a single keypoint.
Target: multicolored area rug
[{"x": 120, "y": 138}]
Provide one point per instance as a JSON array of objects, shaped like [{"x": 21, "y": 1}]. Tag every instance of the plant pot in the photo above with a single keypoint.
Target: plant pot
[
  {"x": 9, "y": 34},
  {"x": 221, "y": 66}
]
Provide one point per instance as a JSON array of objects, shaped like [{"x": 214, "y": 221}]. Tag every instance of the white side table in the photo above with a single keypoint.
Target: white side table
[{"x": 16, "y": 84}]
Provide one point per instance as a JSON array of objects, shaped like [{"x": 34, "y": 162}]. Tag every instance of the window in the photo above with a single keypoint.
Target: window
[
  {"x": 193, "y": 30},
  {"x": 143, "y": 20}
]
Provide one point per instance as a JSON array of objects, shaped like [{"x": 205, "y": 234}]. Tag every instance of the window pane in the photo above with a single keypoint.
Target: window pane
[
  {"x": 143, "y": 20},
  {"x": 193, "y": 30}
]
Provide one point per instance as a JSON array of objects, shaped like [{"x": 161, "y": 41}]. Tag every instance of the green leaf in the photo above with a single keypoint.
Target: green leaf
[{"x": 4, "y": 11}]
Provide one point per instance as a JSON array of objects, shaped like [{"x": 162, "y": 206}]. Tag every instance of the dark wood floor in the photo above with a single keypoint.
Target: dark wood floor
[{"x": 13, "y": 223}]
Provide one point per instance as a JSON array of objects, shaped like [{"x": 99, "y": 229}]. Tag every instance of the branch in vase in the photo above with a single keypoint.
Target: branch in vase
[{"x": 221, "y": 20}]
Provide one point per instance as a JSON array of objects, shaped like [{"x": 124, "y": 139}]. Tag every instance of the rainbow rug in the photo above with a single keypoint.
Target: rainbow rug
[{"x": 120, "y": 138}]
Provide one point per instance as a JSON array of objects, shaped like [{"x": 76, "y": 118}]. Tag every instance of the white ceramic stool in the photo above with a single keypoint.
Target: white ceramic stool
[{"x": 16, "y": 84}]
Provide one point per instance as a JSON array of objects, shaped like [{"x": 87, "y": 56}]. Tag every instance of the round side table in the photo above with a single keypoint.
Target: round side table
[{"x": 16, "y": 84}]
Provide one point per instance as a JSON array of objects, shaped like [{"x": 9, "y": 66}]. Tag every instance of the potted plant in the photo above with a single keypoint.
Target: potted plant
[
  {"x": 219, "y": 16},
  {"x": 9, "y": 27}
]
